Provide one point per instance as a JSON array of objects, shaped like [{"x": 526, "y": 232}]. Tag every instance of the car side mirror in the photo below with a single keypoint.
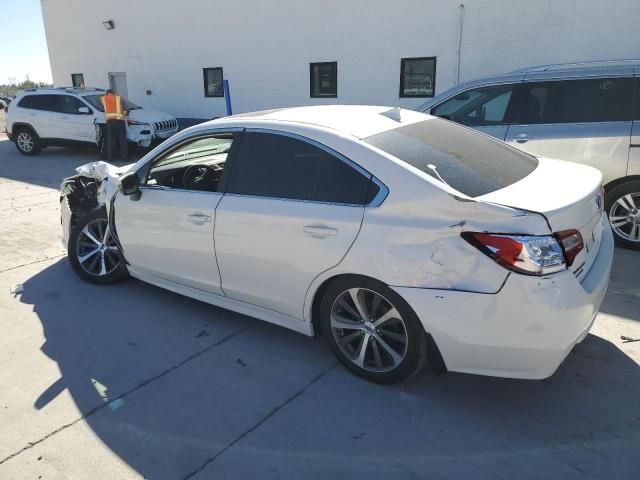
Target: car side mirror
[
  {"x": 130, "y": 185},
  {"x": 84, "y": 110}
]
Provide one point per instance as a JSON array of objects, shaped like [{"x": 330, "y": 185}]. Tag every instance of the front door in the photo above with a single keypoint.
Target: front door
[
  {"x": 292, "y": 210},
  {"x": 168, "y": 231},
  {"x": 73, "y": 124},
  {"x": 118, "y": 83},
  {"x": 584, "y": 121}
]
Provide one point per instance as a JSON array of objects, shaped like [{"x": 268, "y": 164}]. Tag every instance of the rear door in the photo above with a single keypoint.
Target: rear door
[
  {"x": 40, "y": 114},
  {"x": 292, "y": 210},
  {"x": 581, "y": 120},
  {"x": 484, "y": 108}
]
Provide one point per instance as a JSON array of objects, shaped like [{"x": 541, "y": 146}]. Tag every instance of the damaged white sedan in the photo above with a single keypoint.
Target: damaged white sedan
[{"x": 403, "y": 238}]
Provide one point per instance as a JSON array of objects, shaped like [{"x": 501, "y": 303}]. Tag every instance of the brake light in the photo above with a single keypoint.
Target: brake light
[
  {"x": 528, "y": 254},
  {"x": 571, "y": 243}
]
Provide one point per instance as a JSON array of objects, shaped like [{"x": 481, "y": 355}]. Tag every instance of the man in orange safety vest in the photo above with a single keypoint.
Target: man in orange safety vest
[{"x": 116, "y": 129}]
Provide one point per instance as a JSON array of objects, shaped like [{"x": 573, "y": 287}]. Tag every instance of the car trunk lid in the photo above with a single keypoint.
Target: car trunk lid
[{"x": 568, "y": 195}]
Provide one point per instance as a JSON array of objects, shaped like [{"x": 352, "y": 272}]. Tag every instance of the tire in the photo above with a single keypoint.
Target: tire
[
  {"x": 105, "y": 265},
  {"x": 401, "y": 333},
  {"x": 623, "y": 208},
  {"x": 27, "y": 141}
]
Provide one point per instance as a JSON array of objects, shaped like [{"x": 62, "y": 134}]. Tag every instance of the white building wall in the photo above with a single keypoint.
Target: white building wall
[{"x": 265, "y": 46}]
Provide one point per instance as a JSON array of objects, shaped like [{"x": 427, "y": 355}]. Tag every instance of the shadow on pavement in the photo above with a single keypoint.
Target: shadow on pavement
[{"x": 174, "y": 386}]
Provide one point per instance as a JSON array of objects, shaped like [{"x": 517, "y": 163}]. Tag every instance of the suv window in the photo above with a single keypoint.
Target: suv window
[
  {"x": 39, "y": 102},
  {"x": 68, "y": 104},
  {"x": 271, "y": 165},
  {"x": 576, "y": 101},
  {"x": 477, "y": 107},
  {"x": 195, "y": 165},
  {"x": 467, "y": 160}
]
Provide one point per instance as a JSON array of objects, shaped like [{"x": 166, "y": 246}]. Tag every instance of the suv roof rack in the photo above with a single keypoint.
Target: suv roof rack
[{"x": 630, "y": 62}]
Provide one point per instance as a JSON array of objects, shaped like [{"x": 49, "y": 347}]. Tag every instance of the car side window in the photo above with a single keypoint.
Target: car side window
[
  {"x": 279, "y": 166},
  {"x": 576, "y": 101},
  {"x": 68, "y": 104},
  {"x": 477, "y": 107},
  {"x": 197, "y": 164},
  {"x": 39, "y": 102}
]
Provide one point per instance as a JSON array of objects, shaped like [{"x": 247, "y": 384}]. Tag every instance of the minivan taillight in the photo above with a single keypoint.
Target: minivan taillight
[
  {"x": 571, "y": 243},
  {"x": 528, "y": 254}
]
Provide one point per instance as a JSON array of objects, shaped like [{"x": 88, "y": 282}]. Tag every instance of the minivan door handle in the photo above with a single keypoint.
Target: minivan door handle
[
  {"x": 198, "y": 218},
  {"x": 320, "y": 231},
  {"x": 523, "y": 138}
]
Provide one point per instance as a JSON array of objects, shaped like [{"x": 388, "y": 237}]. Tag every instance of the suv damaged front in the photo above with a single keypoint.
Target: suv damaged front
[{"x": 92, "y": 188}]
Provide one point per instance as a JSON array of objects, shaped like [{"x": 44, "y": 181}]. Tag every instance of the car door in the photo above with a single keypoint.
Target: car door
[
  {"x": 483, "y": 108},
  {"x": 40, "y": 114},
  {"x": 292, "y": 210},
  {"x": 581, "y": 120},
  {"x": 168, "y": 232},
  {"x": 74, "y": 124}
]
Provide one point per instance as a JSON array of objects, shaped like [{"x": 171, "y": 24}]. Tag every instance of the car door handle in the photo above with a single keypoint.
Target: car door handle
[
  {"x": 320, "y": 231},
  {"x": 523, "y": 138},
  {"x": 198, "y": 218}
]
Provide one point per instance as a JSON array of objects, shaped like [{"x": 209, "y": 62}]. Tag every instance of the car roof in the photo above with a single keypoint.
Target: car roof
[
  {"x": 50, "y": 90},
  {"x": 356, "y": 120}
]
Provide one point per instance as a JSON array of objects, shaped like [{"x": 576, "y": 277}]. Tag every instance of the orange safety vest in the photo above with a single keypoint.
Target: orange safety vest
[{"x": 113, "y": 108}]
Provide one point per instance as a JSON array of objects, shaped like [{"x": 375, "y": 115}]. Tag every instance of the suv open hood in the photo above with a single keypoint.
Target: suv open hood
[{"x": 149, "y": 116}]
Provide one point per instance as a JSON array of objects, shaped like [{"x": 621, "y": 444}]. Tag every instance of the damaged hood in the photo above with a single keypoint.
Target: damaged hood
[{"x": 102, "y": 170}]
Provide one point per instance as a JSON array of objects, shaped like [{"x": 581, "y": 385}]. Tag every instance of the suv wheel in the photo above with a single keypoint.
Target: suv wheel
[
  {"x": 27, "y": 142},
  {"x": 93, "y": 252},
  {"x": 623, "y": 207},
  {"x": 372, "y": 330}
]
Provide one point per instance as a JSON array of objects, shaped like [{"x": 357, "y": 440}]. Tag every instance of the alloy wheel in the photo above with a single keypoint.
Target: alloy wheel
[
  {"x": 96, "y": 248},
  {"x": 25, "y": 142},
  {"x": 369, "y": 330},
  {"x": 624, "y": 216}
]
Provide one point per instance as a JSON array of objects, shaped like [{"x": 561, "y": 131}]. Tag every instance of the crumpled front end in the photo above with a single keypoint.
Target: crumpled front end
[{"x": 91, "y": 188}]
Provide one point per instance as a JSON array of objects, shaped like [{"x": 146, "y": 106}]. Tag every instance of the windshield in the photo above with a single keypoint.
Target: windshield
[
  {"x": 467, "y": 160},
  {"x": 94, "y": 101}
]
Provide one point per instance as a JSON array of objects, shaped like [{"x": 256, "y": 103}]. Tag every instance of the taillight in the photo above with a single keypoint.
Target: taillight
[
  {"x": 571, "y": 243},
  {"x": 528, "y": 254}
]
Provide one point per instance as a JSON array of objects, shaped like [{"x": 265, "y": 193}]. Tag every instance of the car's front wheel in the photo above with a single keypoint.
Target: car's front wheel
[
  {"x": 27, "y": 142},
  {"x": 623, "y": 208},
  {"x": 372, "y": 330},
  {"x": 93, "y": 251}
]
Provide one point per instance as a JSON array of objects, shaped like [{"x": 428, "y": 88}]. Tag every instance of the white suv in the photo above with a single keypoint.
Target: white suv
[{"x": 38, "y": 118}]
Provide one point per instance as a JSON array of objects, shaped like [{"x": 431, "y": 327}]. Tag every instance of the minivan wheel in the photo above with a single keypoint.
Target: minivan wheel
[
  {"x": 27, "y": 142},
  {"x": 372, "y": 330},
  {"x": 623, "y": 207},
  {"x": 93, "y": 252}
]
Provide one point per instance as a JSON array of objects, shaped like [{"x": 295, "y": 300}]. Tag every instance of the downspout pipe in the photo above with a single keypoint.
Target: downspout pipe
[{"x": 459, "y": 51}]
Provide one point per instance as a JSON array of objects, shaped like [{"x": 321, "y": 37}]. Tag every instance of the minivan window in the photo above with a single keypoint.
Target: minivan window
[
  {"x": 576, "y": 101},
  {"x": 467, "y": 160},
  {"x": 477, "y": 107},
  {"x": 280, "y": 166}
]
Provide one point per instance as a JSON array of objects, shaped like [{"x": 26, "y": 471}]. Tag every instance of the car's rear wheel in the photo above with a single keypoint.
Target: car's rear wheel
[
  {"x": 372, "y": 330},
  {"x": 93, "y": 251},
  {"x": 27, "y": 142},
  {"x": 623, "y": 208}
]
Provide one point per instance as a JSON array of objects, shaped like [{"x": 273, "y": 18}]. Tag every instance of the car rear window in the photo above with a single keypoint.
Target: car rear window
[{"x": 467, "y": 160}]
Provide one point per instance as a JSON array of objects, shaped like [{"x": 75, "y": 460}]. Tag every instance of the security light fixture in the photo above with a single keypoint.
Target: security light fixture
[{"x": 109, "y": 25}]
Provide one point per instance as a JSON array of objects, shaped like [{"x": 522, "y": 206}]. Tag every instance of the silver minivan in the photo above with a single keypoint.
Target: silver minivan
[{"x": 583, "y": 112}]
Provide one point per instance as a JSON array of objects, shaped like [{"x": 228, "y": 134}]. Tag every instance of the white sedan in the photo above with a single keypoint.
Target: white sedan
[{"x": 401, "y": 237}]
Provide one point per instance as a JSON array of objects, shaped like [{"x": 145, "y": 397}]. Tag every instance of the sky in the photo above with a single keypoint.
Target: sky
[{"x": 24, "y": 49}]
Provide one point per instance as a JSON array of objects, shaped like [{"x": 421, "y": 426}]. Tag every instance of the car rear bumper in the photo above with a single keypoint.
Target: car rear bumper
[{"x": 525, "y": 330}]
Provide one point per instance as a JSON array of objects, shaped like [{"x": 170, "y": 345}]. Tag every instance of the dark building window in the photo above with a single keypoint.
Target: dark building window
[
  {"x": 418, "y": 77},
  {"x": 324, "y": 79},
  {"x": 77, "y": 80},
  {"x": 213, "y": 86}
]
